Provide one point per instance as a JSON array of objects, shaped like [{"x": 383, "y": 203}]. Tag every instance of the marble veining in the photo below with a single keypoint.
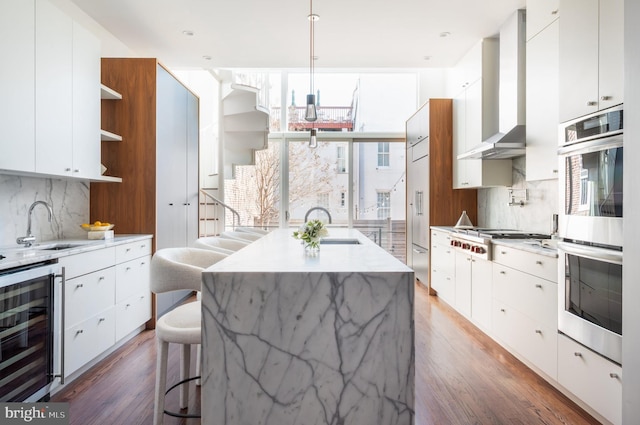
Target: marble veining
[
  {"x": 307, "y": 346},
  {"x": 69, "y": 200},
  {"x": 535, "y": 216}
]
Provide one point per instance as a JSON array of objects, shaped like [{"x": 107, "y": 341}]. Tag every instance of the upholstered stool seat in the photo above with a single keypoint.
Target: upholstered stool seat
[{"x": 175, "y": 269}]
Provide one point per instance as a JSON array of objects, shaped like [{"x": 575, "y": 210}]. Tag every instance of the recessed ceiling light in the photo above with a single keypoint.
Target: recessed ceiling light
[
  {"x": 188, "y": 33},
  {"x": 445, "y": 34}
]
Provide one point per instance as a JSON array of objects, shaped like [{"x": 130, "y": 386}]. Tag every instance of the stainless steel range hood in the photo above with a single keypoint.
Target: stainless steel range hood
[
  {"x": 509, "y": 142},
  {"x": 500, "y": 145}
]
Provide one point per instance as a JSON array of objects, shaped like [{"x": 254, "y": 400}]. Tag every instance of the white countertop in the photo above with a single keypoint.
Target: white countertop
[
  {"x": 19, "y": 256},
  {"x": 278, "y": 251}
]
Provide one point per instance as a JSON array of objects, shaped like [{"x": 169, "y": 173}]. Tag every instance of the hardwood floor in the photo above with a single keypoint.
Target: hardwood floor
[{"x": 462, "y": 378}]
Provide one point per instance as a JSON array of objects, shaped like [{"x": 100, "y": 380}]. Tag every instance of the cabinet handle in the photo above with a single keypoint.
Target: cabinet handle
[
  {"x": 171, "y": 204},
  {"x": 538, "y": 286},
  {"x": 67, "y": 169},
  {"x": 503, "y": 252},
  {"x": 554, "y": 12},
  {"x": 79, "y": 331},
  {"x": 554, "y": 171},
  {"x": 127, "y": 269},
  {"x": 128, "y": 250},
  {"x": 102, "y": 319},
  {"x": 614, "y": 375},
  {"x": 144, "y": 245},
  {"x": 77, "y": 170},
  {"x": 502, "y": 310},
  {"x": 503, "y": 272},
  {"x": 539, "y": 263},
  {"x": 577, "y": 354},
  {"x": 101, "y": 278},
  {"x": 448, "y": 278},
  {"x": 591, "y": 103},
  {"x": 127, "y": 306},
  {"x": 142, "y": 263},
  {"x": 606, "y": 97},
  {"x": 538, "y": 331},
  {"x": 80, "y": 285}
]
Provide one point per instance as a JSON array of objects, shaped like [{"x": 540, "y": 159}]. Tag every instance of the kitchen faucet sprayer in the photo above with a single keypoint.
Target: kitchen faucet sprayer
[{"x": 30, "y": 239}]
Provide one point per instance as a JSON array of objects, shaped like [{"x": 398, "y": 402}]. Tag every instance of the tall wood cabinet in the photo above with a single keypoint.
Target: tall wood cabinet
[
  {"x": 157, "y": 158},
  {"x": 431, "y": 199}
]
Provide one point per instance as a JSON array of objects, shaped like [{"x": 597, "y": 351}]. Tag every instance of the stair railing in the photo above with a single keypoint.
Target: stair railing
[{"x": 218, "y": 201}]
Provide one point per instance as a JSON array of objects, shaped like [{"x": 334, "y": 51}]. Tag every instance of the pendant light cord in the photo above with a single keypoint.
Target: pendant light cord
[{"x": 311, "y": 45}]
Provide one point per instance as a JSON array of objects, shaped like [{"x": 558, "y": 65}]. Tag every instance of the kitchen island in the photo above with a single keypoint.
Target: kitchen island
[{"x": 293, "y": 339}]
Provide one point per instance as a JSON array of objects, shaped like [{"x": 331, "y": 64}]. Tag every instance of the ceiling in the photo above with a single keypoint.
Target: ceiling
[{"x": 353, "y": 34}]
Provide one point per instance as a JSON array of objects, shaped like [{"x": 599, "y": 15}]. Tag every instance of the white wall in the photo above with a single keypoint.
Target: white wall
[{"x": 631, "y": 269}]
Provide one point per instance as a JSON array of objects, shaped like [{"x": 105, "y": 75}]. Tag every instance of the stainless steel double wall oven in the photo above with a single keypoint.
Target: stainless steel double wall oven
[{"x": 591, "y": 227}]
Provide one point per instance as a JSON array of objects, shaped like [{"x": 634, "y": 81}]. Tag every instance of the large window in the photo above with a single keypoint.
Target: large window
[{"x": 341, "y": 161}]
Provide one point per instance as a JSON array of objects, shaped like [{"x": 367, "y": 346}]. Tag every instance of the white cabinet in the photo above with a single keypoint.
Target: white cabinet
[
  {"x": 51, "y": 96},
  {"x": 473, "y": 288},
  {"x": 591, "y": 56},
  {"x": 443, "y": 263},
  {"x": 89, "y": 321},
  {"x": 17, "y": 109},
  {"x": 525, "y": 305},
  {"x": 106, "y": 297},
  {"x": 542, "y": 104},
  {"x": 540, "y": 14},
  {"x": 475, "y": 116},
  {"x": 592, "y": 378}
]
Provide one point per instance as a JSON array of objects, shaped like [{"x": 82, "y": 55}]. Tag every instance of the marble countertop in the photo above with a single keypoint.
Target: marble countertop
[
  {"x": 19, "y": 256},
  {"x": 278, "y": 251}
]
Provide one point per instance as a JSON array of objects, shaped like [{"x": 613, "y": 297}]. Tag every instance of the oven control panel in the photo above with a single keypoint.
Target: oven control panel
[{"x": 476, "y": 247}]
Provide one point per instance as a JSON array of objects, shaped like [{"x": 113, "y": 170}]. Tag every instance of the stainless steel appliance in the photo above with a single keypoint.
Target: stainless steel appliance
[
  {"x": 590, "y": 297},
  {"x": 477, "y": 242},
  {"x": 591, "y": 178},
  {"x": 30, "y": 316}
]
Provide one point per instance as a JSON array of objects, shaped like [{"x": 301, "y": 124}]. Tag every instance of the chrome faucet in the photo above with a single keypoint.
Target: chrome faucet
[
  {"x": 30, "y": 239},
  {"x": 317, "y": 208}
]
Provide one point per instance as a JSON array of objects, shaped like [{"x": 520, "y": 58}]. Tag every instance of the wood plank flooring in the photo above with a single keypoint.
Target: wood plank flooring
[{"x": 462, "y": 378}]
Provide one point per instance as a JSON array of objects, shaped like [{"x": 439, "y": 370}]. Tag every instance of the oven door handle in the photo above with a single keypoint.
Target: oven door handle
[
  {"x": 592, "y": 145},
  {"x": 595, "y": 253}
]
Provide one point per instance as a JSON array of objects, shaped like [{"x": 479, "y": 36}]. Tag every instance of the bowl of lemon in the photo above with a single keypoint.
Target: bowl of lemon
[{"x": 97, "y": 226}]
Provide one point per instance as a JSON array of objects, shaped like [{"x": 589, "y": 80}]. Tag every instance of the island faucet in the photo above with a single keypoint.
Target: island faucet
[
  {"x": 326, "y": 211},
  {"x": 30, "y": 239}
]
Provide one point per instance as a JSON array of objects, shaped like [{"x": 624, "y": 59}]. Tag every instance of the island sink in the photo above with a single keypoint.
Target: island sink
[{"x": 340, "y": 241}]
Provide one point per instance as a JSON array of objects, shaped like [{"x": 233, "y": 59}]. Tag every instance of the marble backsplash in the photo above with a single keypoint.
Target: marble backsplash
[
  {"x": 494, "y": 210},
  {"x": 69, "y": 200}
]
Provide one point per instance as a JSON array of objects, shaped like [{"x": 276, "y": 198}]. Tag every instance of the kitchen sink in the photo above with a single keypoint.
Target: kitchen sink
[
  {"x": 56, "y": 246},
  {"x": 340, "y": 241}
]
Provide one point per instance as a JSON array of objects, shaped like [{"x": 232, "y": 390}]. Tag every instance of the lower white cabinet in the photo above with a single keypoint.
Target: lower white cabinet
[
  {"x": 590, "y": 377},
  {"x": 443, "y": 263},
  {"x": 106, "y": 297},
  {"x": 473, "y": 288}
]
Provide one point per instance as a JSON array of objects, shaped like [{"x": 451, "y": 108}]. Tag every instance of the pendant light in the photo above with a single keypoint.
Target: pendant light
[{"x": 311, "y": 114}]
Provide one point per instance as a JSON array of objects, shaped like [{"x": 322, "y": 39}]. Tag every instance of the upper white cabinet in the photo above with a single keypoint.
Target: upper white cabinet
[
  {"x": 17, "y": 109},
  {"x": 542, "y": 101},
  {"x": 540, "y": 14},
  {"x": 591, "y": 56},
  {"x": 474, "y": 86},
  {"x": 52, "y": 110}
]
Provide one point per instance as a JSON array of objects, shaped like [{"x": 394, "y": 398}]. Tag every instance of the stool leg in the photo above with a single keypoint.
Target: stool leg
[
  {"x": 185, "y": 363},
  {"x": 161, "y": 382}
]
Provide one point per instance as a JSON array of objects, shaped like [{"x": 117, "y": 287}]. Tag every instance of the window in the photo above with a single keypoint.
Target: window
[
  {"x": 323, "y": 200},
  {"x": 341, "y": 159},
  {"x": 383, "y": 154},
  {"x": 384, "y": 205}
]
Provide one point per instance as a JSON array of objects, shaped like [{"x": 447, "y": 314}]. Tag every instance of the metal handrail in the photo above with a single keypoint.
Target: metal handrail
[{"x": 235, "y": 213}]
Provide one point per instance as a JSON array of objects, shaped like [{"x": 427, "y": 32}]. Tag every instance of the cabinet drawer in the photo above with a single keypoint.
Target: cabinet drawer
[
  {"x": 133, "y": 250},
  {"x": 534, "y": 341},
  {"x": 86, "y": 340},
  {"x": 532, "y": 296},
  {"x": 132, "y": 277},
  {"x": 132, "y": 313},
  {"x": 440, "y": 237},
  {"x": 591, "y": 377},
  {"x": 87, "y": 262},
  {"x": 528, "y": 262},
  {"x": 86, "y": 294}
]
